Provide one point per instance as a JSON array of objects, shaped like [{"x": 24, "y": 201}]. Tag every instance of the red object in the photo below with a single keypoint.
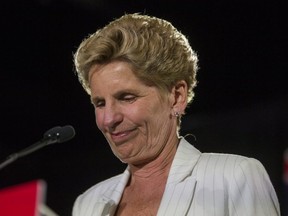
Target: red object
[{"x": 23, "y": 199}]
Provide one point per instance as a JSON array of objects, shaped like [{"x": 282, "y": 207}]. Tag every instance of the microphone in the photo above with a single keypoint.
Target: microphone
[
  {"x": 54, "y": 135},
  {"x": 59, "y": 134}
]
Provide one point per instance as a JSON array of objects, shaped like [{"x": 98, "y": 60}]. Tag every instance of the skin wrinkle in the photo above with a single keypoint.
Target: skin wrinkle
[
  {"x": 158, "y": 168},
  {"x": 155, "y": 169}
]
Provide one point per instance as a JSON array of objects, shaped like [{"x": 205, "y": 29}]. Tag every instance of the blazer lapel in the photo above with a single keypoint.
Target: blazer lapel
[
  {"x": 104, "y": 208},
  {"x": 111, "y": 198},
  {"x": 181, "y": 182}
]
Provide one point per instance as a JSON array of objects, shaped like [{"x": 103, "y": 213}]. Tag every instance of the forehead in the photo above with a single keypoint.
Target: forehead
[{"x": 112, "y": 72}]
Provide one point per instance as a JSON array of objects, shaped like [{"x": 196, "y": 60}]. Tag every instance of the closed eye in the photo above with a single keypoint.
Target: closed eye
[
  {"x": 127, "y": 97},
  {"x": 98, "y": 103}
]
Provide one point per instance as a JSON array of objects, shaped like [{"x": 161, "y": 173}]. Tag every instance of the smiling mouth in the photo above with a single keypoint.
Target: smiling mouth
[{"x": 122, "y": 136}]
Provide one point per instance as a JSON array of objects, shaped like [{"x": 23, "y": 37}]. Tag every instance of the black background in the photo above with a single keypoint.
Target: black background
[{"x": 240, "y": 105}]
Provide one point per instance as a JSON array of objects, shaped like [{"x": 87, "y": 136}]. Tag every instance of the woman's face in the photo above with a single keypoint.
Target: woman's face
[{"x": 135, "y": 119}]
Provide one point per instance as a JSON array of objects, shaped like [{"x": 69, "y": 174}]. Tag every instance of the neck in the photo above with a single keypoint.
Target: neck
[{"x": 157, "y": 168}]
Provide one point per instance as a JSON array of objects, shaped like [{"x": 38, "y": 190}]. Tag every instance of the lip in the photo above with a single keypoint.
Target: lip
[{"x": 122, "y": 136}]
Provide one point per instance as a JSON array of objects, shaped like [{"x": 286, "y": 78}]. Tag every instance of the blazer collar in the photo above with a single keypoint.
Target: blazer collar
[
  {"x": 184, "y": 162},
  {"x": 181, "y": 182}
]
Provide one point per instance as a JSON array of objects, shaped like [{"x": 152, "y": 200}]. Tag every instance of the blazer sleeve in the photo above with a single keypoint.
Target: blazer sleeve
[{"x": 250, "y": 191}]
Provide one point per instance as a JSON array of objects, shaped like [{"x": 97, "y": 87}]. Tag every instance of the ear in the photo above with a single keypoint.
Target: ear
[{"x": 179, "y": 94}]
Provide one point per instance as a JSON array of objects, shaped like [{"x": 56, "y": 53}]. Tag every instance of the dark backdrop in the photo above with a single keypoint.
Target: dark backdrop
[{"x": 240, "y": 105}]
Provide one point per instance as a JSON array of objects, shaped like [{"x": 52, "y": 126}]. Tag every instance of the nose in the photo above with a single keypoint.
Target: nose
[{"x": 112, "y": 116}]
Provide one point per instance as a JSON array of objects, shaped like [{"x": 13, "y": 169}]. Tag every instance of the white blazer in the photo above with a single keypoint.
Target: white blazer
[{"x": 198, "y": 184}]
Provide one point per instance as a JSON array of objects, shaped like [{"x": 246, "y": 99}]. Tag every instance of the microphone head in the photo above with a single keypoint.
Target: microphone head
[
  {"x": 51, "y": 132},
  {"x": 66, "y": 133},
  {"x": 59, "y": 134}
]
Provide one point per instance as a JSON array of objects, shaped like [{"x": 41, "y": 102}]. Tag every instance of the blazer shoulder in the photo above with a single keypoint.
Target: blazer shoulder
[
  {"x": 228, "y": 165},
  {"x": 242, "y": 181},
  {"x": 227, "y": 159}
]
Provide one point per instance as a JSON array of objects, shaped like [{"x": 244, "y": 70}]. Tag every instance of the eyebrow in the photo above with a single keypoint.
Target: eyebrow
[
  {"x": 125, "y": 91},
  {"x": 116, "y": 94}
]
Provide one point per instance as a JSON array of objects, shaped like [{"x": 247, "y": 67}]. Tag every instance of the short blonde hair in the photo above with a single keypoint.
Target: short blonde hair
[{"x": 159, "y": 54}]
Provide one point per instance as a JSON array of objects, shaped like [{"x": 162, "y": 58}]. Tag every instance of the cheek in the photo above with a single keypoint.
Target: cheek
[
  {"x": 98, "y": 118},
  {"x": 139, "y": 114},
  {"x": 152, "y": 117}
]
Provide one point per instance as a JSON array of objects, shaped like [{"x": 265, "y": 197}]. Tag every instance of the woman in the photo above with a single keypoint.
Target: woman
[{"x": 140, "y": 73}]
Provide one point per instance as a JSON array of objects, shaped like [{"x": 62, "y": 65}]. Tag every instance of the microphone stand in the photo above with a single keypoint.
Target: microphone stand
[{"x": 30, "y": 149}]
